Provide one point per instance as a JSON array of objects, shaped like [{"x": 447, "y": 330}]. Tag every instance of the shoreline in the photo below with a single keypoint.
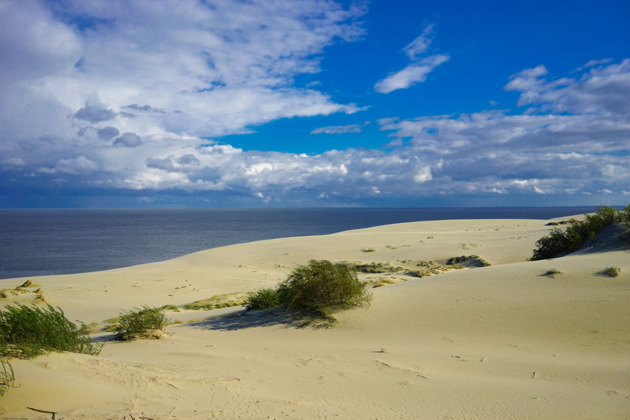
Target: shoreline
[
  {"x": 503, "y": 340},
  {"x": 60, "y": 242}
]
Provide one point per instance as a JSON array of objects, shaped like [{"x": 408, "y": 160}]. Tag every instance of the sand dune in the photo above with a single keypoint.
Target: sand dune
[{"x": 504, "y": 341}]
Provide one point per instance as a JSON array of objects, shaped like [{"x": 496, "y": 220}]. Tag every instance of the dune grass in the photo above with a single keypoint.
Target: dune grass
[{"x": 28, "y": 331}]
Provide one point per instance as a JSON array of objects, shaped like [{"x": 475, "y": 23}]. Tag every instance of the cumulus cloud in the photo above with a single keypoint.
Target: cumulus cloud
[
  {"x": 572, "y": 139},
  {"x": 602, "y": 90},
  {"x": 419, "y": 68},
  {"x": 206, "y": 68}
]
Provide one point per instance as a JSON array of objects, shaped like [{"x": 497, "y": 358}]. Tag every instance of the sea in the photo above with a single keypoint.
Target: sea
[{"x": 65, "y": 241}]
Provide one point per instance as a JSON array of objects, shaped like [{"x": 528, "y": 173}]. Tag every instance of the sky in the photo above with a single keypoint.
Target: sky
[{"x": 314, "y": 103}]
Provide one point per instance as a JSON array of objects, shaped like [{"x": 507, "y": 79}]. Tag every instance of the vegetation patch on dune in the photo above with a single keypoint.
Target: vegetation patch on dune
[
  {"x": 23, "y": 290},
  {"x": 225, "y": 300},
  {"x": 611, "y": 272},
  {"x": 374, "y": 267},
  {"x": 468, "y": 261},
  {"x": 378, "y": 282},
  {"x": 144, "y": 322},
  {"x": 560, "y": 241}
]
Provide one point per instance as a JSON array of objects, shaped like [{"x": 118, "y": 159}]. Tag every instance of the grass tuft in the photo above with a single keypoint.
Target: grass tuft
[{"x": 27, "y": 332}]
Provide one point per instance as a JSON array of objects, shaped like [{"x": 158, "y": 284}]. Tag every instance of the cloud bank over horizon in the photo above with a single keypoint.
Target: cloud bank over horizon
[{"x": 134, "y": 100}]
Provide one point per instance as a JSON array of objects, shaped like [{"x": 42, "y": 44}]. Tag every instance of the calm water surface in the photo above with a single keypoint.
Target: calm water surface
[{"x": 42, "y": 242}]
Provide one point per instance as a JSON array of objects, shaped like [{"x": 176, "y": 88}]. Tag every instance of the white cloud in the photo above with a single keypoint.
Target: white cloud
[
  {"x": 410, "y": 75},
  {"x": 419, "y": 68},
  {"x": 129, "y": 102},
  {"x": 593, "y": 63},
  {"x": 340, "y": 129},
  {"x": 420, "y": 44},
  {"x": 565, "y": 144},
  {"x": 207, "y": 68},
  {"x": 602, "y": 90}
]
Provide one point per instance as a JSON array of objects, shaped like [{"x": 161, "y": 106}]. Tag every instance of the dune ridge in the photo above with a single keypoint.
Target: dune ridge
[{"x": 504, "y": 341}]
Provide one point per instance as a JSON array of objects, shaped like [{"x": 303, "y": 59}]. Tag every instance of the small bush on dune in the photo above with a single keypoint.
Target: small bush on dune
[
  {"x": 315, "y": 291},
  {"x": 30, "y": 331},
  {"x": 141, "y": 323},
  {"x": 322, "y": 288},
  {"x": 262, "y": 299},
  {"x": 611, "y": 271}
]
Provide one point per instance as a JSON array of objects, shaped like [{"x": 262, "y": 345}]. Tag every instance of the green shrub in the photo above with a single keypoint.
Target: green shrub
[
  {"x": 140, "y": 323},
  {"x": 569, "y": 240},
  {"x": 262, "y": 299},
  {"x": 30, "y": 331},
  {"x": 321, "y": 288}
]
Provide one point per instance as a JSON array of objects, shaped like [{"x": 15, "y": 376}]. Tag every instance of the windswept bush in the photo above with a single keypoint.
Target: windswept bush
[
  {"x": 27, "y": 332},
  {"x": 564, "y": 241},
  {"x": 141, "y": 323},
  {"x": 322, "y": 288}
]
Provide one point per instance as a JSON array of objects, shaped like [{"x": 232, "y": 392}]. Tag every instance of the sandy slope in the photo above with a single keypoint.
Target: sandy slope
[{"x": 496, "y": 342}]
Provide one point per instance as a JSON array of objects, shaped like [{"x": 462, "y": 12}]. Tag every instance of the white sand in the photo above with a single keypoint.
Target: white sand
[{"x": 496, "y": 342}]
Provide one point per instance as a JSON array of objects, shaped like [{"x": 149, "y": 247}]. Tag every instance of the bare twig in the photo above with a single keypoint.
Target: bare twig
[{"x": 53, "y": 413}]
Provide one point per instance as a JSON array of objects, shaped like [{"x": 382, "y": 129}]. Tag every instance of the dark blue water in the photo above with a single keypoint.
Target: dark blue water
[{"x": 42, "y": 242}]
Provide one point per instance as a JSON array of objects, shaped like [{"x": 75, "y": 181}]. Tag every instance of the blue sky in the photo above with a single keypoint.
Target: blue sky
[{"x": 181, "y": 103}]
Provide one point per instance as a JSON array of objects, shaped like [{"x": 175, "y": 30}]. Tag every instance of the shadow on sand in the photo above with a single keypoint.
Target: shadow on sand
[{"x": 251, "y": 319}]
